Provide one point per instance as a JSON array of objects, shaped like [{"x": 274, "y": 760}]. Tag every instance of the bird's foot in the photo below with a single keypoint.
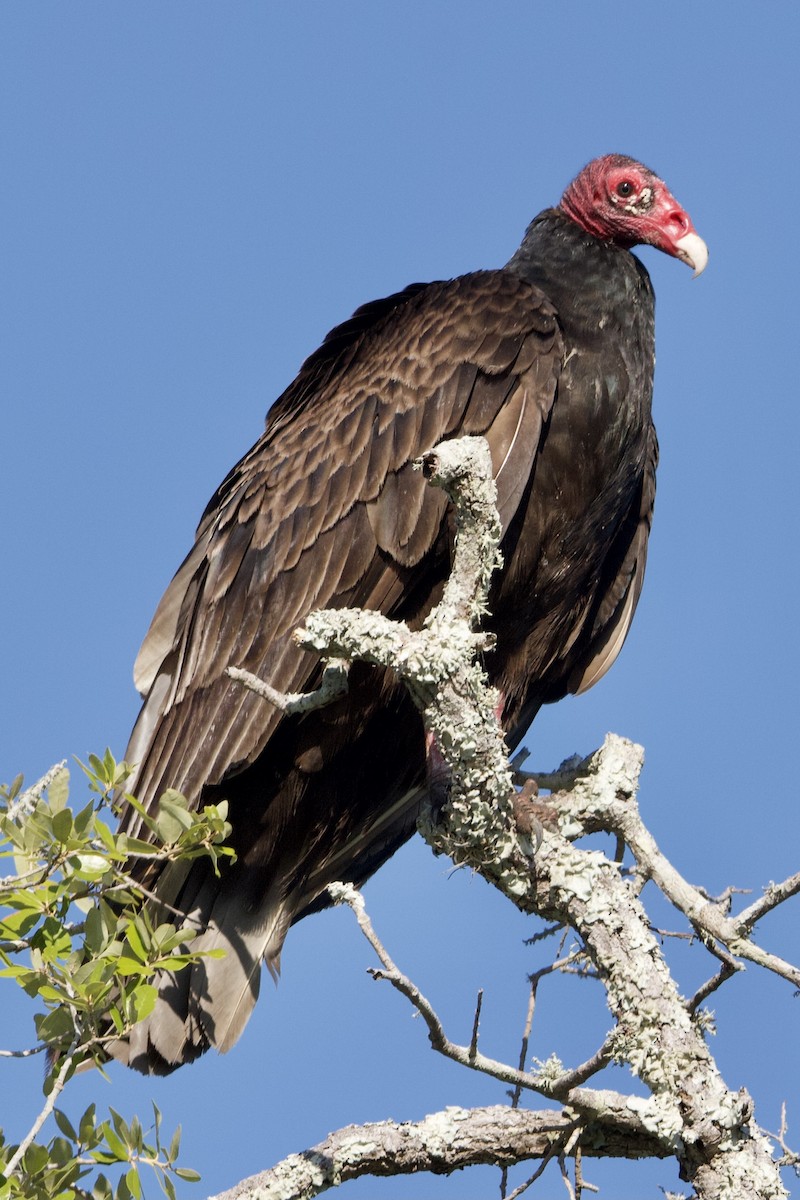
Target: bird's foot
[
  {"x": 563, "y": 779},
  {"x": 532, "y": 815}
]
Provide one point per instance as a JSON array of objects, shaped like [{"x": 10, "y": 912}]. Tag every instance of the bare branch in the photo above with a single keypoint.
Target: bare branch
[
  {"x": 774, "y": 895},
  {"x": 23, "y": 1053},
  {"x": 473, "y": 1042},
  {"x": 566, "y": 1083},
  {"x": 49, "y": 1104},
  {"x": 707, "y": 917},
  {"x": 333, "y": 685},
  {"x": 516, "y": 1095},
  {"x": 597, "y": 1104},
  {"x": 789, "y": 1157},
  {"x": 726, "y": 971},
  {"x": 441, "y": 1143},
  {"x": 557, "y": 1150},
  {"x": 467, "y": 1056}
]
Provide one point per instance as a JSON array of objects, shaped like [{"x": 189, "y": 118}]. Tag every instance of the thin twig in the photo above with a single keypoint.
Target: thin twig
[
  {"x": 789, "y": 1158},
  {"x": 726, "y": 971},
  {"x": 594, "y": 1104},
  {"x": 569, "y": 1080},
  {"x": 49, "y": 1105},
  {"x": 526, "y": 1034},
  {"x": 774, "y": 895},
  {"x": 556, "y": 1150},
  {"x": 333, "y": 685},
  {"x": 473, "y": 1043},
  {"x": 706, "y": 916},
  {"x": 562, "y": 1160},
  {"x": 126, "y": 880},
  {"x": 517, "y": 1093}
]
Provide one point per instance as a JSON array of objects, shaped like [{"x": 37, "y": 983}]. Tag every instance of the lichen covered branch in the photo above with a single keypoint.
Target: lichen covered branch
[
  {"x": 689, "y": 1112},
  {"x": 442, "y": 1143}
]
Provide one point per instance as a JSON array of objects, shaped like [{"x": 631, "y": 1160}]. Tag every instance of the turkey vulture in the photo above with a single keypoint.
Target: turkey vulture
[{"x": 549, "y": 358}]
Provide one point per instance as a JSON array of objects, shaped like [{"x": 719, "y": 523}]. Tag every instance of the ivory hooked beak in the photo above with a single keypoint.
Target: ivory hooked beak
[{"x": 692, "y": 250}]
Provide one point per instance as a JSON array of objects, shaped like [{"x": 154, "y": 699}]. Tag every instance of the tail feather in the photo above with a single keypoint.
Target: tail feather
[{"x": 209, "y": 1003}]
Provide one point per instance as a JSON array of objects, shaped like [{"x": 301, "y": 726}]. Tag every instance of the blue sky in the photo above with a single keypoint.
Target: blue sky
[{"x": 192, "y": 194}]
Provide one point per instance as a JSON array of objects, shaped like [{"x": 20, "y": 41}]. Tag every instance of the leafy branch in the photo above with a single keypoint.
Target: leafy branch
[{"x": 79, "y": 937}]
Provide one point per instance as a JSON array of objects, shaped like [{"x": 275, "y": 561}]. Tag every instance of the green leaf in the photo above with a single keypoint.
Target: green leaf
[
  {"x": 56, "y": 1026},
  {"x": 121, "y": 1126},
  {"x": 58, "y": 791},
  {"x": 65, "y": 1125},
  {"x": 61, "y": 1152},
  {"x": 188, "y": 1174},
  {"x": 175, "y": 1145},
  {"x": 106, "y": 836},
  {"x": 62, "y": 825},
  {"x": 17, "y": 924},
  {"x": 93, "y": 932},
  {"x": 96, "y": 765},
  {"x": 89, "y": 867},
  {"x": 115, "y": 1143},
  {"x": 130, "y": 966},
  {"x": 24, "y": 898},
  {"x": 133, "y": 845},
  {"x": 84, "y": 819},
  {"x": 176, "y": 800},
  {"x": 142, "y": 1001},
  {"x": 102, "y": 1189},
  {"x": 136, "y": 1139},
  {"x": 123, "y": 1192},
  {"x": 106, "y": 1157},
  {"x": 156, "y": 1123},
  {"x": 35, "y": 1158},
  {"x": 133, "y": 936},
  {"x": 171, "y": 821},
  {"x": 87, "y": 1127},
  {"x": 134, "y": 1183}
]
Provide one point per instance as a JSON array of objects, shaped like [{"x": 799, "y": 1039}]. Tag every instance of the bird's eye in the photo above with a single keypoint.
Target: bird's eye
[{"x": 625, "y": 189}]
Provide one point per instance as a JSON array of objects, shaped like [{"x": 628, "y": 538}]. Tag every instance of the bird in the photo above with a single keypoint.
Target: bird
[{"x": 549, "y": 358}]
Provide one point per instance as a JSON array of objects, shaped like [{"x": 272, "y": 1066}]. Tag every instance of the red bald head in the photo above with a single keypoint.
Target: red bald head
[{"x": 617, "y": 199}]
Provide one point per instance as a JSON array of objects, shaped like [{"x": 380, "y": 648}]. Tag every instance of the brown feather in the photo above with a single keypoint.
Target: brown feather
[{"x": 326, "y": 510}]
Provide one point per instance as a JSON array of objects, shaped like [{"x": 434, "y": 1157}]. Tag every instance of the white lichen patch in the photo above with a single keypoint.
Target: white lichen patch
[
  {"x": 549, "y": 1071},
  {"x": 659, "y": 1116}
]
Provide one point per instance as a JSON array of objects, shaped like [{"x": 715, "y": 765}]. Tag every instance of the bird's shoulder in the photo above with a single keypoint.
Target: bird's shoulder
[{"x": 387, "y": 357}]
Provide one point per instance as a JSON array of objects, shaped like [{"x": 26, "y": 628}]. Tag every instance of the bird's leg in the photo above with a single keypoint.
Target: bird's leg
[{"x": 530, "y": 813}]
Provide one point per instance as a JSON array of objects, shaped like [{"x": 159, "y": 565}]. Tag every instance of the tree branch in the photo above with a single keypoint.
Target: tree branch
[
  {"x": 689, "y": 1111},
  {"x": 56, "y": 1089},
  {"x": 620, "y": 815},
  {"x": 333, "y": 685},
  {"x": 442, "y": 1143}
]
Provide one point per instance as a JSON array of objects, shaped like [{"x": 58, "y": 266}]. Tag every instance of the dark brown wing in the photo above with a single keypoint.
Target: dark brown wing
[
  {"x": 612, "y": 614},
  {"x": 325, "y": 510}
]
